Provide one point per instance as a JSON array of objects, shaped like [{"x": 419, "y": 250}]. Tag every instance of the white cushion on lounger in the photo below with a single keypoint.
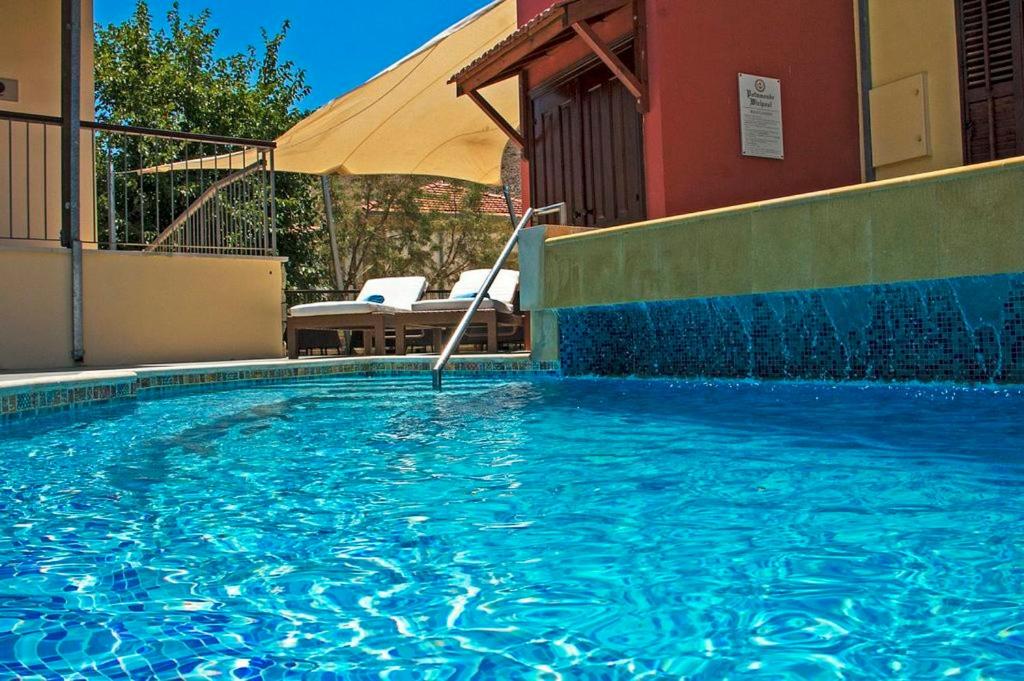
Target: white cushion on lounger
[
  {"x": 461, "y": 304},
  {"x": 399, "y": 294},
  {"x": 501, "y": 295},
  {"x": 335, "y": 308}
]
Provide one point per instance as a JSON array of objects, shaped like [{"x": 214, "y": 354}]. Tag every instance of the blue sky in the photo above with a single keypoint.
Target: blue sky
[{"x": 340, "y": 43}]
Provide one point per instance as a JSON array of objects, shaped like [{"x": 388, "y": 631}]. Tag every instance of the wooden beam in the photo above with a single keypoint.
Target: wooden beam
[
  {"x": 498, "y": 119},
  {"x": 531, "y": 42},
  {"x": 589, "y": 10},
  {"x": 521, "y": 48},
  {"x": 599, "y": 47},
  {"x": 640, "y": 48},
  {"x": 525, "y": 113}
]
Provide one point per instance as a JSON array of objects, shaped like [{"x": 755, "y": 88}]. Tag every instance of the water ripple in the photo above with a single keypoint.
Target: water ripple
[{"x": 369, "y": 529}]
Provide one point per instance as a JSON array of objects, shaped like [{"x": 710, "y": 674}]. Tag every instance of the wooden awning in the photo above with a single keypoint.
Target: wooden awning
[
  {"x": 565, "y": 20},
  {"x": 548, "y": 29}
]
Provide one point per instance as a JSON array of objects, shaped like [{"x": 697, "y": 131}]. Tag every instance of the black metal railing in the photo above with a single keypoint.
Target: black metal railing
[
  {"x": 30, "y": 208},
  {"x": 142, "y": 189}
]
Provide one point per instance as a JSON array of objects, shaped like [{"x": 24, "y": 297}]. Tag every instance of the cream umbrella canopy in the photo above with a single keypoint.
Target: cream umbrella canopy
[{"x": 407, "y": 120}]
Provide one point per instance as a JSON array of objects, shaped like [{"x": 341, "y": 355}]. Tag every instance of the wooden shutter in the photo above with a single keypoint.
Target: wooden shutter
[
  {"x": 990, "y": 34},
  {"x": 586, "y": 148},
  {"x": 556, "y": 172},
  {"x": 613, "y": 148}
]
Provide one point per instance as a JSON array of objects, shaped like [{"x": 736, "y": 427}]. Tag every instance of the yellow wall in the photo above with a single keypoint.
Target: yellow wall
[
  {"x": 910, "y": 37},
  {"x": 139, "y": 309},
  {"x": 35, "y": 308},
  {"x": 952, "y": 223},
  {"x": 30, "y": 52}
]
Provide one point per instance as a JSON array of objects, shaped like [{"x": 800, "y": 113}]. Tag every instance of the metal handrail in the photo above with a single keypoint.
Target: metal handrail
[
  {"x": 467, "y": 319},
  {"x": 22, "y": 117},
  {"x": 203, "y": 199}
]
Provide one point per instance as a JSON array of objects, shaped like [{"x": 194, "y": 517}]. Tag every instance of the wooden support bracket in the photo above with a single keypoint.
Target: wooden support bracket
[
  {"x": 497, "y": 118},
  {"x": 600, "y": 48}
]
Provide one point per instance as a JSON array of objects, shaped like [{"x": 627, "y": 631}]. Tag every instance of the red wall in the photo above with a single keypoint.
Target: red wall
[{"x": 696, "y": 49}]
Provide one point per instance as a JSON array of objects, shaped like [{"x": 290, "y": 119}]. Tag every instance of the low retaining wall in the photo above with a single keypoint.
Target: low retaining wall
[
  {"x": 910, "y": 279},
  {"x": 963, "y": 330},
  {"x": 139, "y": 308}
]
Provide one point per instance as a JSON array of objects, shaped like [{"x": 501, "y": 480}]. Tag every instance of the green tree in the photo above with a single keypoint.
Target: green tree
[
  {"x": 380, "y": 227},
  {"x": 384, "y": 230},
  {"x": 466, "y": 239},
  {"x": 170, "y": 78}
]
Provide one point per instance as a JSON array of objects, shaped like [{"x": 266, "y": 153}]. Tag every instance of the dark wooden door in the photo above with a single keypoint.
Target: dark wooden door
[
  {"x": 586, "y": 149},
  {"x": 991, "y": 37},
  {"x": 556, "y": 160}
]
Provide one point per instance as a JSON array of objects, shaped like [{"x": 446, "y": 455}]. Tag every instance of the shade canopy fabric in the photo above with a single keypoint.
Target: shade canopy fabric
[{"x": 408, "y": 120}]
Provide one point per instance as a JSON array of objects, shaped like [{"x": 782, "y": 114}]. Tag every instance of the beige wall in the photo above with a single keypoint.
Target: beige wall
[
  {"x": 30, "y": 52},
  {"x": 911, "y": 37},
  {"x": 139, "y": 309},
  {"x": 952, "y": 223},
  {"x": 35, "y": 308}
]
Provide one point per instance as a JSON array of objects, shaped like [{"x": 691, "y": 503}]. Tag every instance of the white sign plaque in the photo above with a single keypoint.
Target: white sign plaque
[{"x": 761, "y": 116}]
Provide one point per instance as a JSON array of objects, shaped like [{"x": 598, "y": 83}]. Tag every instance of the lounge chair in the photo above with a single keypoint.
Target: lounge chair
[
  {"x": 372, "y": 312},
  {"x": 496, "y": 311}
]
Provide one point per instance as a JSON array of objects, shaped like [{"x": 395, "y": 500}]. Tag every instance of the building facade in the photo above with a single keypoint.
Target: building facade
[
  {"x": 164, "y": 260},
  {"x": 631, "y": 109}
]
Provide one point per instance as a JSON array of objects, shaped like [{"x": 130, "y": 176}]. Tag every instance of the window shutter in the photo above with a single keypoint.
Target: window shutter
[{"x": 990, "y": 44}]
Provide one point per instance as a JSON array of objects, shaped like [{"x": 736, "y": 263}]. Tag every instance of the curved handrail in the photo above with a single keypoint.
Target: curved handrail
[
  {"x": 202, "y": 200},
  {"x": 467, "y": 319}
]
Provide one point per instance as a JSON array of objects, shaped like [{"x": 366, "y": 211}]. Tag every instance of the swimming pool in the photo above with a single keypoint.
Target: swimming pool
[{"x": 588, "y": 528}]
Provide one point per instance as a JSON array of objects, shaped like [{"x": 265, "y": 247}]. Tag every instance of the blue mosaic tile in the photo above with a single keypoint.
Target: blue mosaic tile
[
  {"x": 32, "y": 399},
  {"x": 958, "y": 330}
]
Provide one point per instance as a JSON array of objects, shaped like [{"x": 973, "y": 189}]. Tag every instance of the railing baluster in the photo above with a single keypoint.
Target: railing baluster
[
  {"x": 142, "y": 194},
  {"x": 174, "y": 213},
  {"x": 111, "y": 201},
  {"x": 273, "y": 207},
  {"x": 202, "y": 216},
  {"x": 10, "y": 179},
  {"x": 95, "y": 202},
  {"x": 46, "y": 192},
  {"x": 266, "y": 199},
  {"x": 156, "y": 178},
  {"x": 28, "y": 183}
]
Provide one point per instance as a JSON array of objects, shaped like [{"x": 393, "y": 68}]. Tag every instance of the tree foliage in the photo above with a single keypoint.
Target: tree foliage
[
  {"x": 384, "y": 230},
  {"x": 466, "y": 239},
  {"x": 171, "y": 78}
]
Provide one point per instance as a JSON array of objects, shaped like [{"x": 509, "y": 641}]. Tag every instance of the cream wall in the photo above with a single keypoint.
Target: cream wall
[
  {"x": 35, "y": 308},
  {"x": 30, "y": 52},
  {"x": 139, "y": 309},
  {"x": 910, "y": 37}
]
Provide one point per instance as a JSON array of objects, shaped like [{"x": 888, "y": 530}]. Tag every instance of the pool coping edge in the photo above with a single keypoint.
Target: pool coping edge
[{"x": 30, "y": 395}]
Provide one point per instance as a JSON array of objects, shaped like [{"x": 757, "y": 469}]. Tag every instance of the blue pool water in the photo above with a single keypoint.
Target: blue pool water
[{"x": 369, "y": 528}]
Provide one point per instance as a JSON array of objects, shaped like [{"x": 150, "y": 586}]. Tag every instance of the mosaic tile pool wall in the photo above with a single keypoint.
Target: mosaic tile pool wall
[{"x": 964, "y": 330}]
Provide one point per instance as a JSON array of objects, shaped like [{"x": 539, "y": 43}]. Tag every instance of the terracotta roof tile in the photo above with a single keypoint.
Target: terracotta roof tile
[
  {"x": 442, "y": 196},
  {"x": 516, "y": 36}
]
